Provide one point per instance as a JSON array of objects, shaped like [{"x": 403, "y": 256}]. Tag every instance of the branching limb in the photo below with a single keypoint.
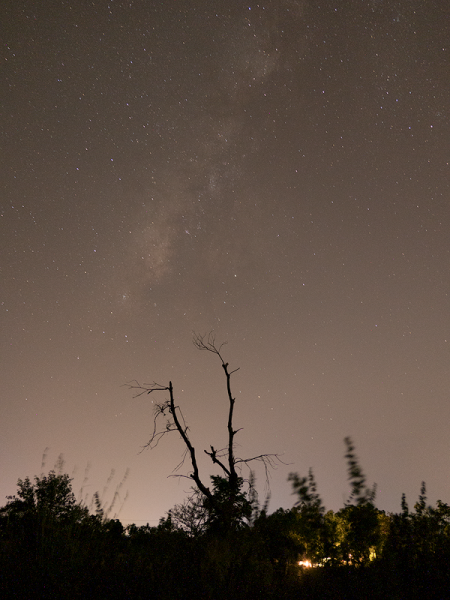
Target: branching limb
[
  {"x": 161, "y": 410},
  {"x": 145, "y": 388},
  {"x": 201, "y": 342},
  {"x": 269, "y": 461},
  {"x": 214, "y": 455},
  {"x": 172, "y": 414},
  {"x": 226, "y": 494}
]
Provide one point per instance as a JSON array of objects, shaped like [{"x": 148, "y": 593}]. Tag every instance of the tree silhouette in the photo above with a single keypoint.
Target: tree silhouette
[
  {"x": 49, "y": 498},
  {"x": 225, "y": 502}
]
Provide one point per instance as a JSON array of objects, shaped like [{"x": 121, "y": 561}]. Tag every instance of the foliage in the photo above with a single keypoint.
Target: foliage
[
  {"x": 360, "y": 494},
  {"x": 279, "y": 534},
  {"x": 50, "y": 496},
  {"x": 51, "y": 547},
  {"x": 229, "y": 507},
  {"x": 191, "y": 515},
  {"x": 311, "y": 525}
]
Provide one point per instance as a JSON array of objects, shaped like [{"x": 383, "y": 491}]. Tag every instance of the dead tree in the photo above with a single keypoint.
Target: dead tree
[{"x": 172, "y": 417}]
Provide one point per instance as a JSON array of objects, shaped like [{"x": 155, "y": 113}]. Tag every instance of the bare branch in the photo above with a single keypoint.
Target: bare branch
[
  {"x": 173, "y": 421},
  {"x": 269, "y": 461},
  {"x": 180, "y": 464},
  {"x": 214, "y": 455},
  {"x": 203, "y": 342},
  {"x": 180, "y": 475}
]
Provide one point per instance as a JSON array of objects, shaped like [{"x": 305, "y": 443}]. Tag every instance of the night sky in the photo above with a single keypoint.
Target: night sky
[{"x": 275, "y": 172}]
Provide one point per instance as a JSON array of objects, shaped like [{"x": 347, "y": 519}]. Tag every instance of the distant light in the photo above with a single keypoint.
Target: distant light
[{"x": 305, "y": 563}]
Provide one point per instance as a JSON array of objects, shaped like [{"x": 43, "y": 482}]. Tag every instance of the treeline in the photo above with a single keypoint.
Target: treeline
[{"x": 51, "y": 546}]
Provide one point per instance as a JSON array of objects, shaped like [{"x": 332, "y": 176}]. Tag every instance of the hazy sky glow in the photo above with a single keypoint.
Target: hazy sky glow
[{"x": 275, "y": 172}]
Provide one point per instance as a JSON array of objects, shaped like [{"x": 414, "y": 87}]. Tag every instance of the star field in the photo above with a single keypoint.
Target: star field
[{"x": 275, "y": 172}]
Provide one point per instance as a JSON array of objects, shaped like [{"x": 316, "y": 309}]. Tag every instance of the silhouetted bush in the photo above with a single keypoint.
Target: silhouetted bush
[{"x": 51, "y": 547}]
